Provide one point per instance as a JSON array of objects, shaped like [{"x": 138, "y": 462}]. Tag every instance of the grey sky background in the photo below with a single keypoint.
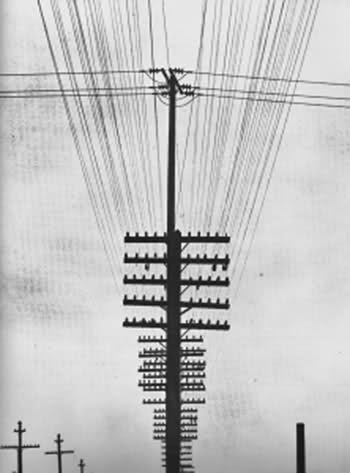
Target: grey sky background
[{"x": 68, "y": 366}]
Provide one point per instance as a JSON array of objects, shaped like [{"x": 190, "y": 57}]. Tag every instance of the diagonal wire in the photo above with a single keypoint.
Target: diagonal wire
[{"x": 315, "y": 6}]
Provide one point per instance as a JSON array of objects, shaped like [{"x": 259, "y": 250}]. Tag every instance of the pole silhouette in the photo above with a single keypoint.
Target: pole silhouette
[
  {"x": 301, "y": 461},
  {"x": 59, "y": 452},
  {"x": 172, "y": 398},
  {"x": 173, "y": 365},
  {"x": 81, "y": 465},
  {"x": 19, "y": 447}
]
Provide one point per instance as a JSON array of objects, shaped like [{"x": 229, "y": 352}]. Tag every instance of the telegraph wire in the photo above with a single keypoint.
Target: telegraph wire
[
  {"x": 271, "y": 79},
  {"x": 203, "y": 157},
  {"x": 104, "y": 56},
  {"x": 95, "y": 34},
  {"x": 79, "y": 151},
  {"x": 199, "y": 60},
  {"x": 241, "y": 115},
  {"x": 197, "y": 118},
  {"x": 198, "y": 161},
  {"x": 262, "y": 119},
  {"x": 75, "y": 94},
  {"x": 259, "y": 132},
  {"x": 260, "y": 92},
  {"x": 144, "y": 112},
  {"x": 316, "y": 7},
  {"x": 70, "y": 73},
  {"x": 94, "y": 161},
  {"x": 262, "y": 105},
  {"x": 220, "y": 111},
  {"x": 246, "y": 118},
  {"x": 75, "y": 89},
  {"x": 254, "y": 120},
  {"x": 119, "y": 59},
  {"x": 236, "y": 49},
  {"x": 192, "y": 72},
  {"x": 207, "y": 140},
  {"x": 87, "y": 134},
  {"x": 118, "y": 92},
  {"x": 85, "y": 59},
  {"x": 130, "y": 108},
  {"x": 252, "y": 142},
  {"x": 279, "y": 111},
  {"x": 140, "y": 127},
  {"x": 166, "y": 36},
  {"x": 287, "y": 102},
  {"x": 155, "y": 111}
]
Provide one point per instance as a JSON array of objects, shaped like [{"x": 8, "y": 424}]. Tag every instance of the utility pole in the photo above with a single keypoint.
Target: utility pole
[
  {"x": 59, "y": 452},
  {"x": 301, "y": 462},
  {"x": 81, "y": 465},
  {"x": 171, "y": 366},
  {"x": 19, "y": 447}
]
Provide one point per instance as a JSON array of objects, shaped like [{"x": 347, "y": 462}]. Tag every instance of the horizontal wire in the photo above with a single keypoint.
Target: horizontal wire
[
  {"x": 261, "y": 92},
  {"x": 272, "y": 79},
  {"x": 290, "y": 102},
  {"x": 143, "y": 71},
  {"x": 73, "y": 89},
  {"x": 94, "y": 90},
  {"x": 58, "y": 95},
  {"x": 71, "y": 73}
]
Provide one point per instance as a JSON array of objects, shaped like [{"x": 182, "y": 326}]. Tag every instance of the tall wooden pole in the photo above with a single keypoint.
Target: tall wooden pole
[
  {"x": 171, "y": 155},
  {"x": 173, "y": 401},
  {"x": 162, "y": 366}
]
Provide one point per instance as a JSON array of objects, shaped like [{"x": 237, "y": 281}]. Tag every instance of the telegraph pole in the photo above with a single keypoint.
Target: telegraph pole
[
  {"x": 81, "y": 465},
  {"x": 172, "y": 366},
  {"x": 19, "y": 447},
  {"x": 301, "y": 462},
  {"x": 172, "y": 398},
  {"x": 59, "y": 452}
]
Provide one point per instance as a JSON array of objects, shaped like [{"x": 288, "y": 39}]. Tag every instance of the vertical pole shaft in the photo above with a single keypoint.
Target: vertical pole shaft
[
  {"x": 81, "y": 466},
  {"x": 59, "y": 453},
  {"x": 20, "y": 449},
  {"x": 301, "y": 464},
  {"x": 171, "y": 155},
  {"x": 173, "y": 405}
]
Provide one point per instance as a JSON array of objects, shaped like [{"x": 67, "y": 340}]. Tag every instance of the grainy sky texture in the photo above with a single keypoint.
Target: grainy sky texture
[{"x": 67, "y": 365}]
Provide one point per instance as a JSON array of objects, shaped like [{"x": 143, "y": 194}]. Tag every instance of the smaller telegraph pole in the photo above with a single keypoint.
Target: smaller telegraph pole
[
  {"x": 301, "y": 463},
  {"x": 81, "y": 465},
  {"x": 59, "y": 452},
  {"x": 19, "y": 447}
]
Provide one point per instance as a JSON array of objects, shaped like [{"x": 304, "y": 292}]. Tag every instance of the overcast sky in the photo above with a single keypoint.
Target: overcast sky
[{"x": 68, "y": 366}]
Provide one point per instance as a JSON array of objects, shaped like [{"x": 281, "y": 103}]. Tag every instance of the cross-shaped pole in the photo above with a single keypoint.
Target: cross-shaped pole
[
  {"x": 19, "y": 447},
  {"x": 59, "y": 452},
  {"x": 81, "y": 465}
]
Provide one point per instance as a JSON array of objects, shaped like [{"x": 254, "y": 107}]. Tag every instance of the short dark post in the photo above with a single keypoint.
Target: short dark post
[
  {"x": 301, "y": 448},
  {"x": 81, "y": 465}
]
